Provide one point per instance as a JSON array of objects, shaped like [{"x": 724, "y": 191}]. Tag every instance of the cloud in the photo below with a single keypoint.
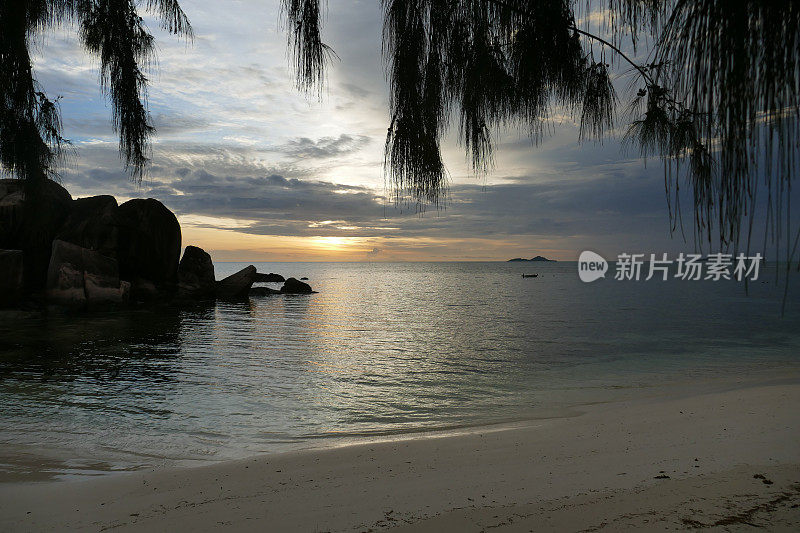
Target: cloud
[
  {"x": 325, "y": 147},
  {"x": 239, "y": 149},
  {"x": 287, "y": 201}
]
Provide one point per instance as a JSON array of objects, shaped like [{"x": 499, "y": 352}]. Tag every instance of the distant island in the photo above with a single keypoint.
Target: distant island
[{"x": 537, "y": 258}]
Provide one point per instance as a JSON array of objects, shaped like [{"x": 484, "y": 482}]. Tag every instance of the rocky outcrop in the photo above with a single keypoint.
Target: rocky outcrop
[
  {"x": 92, "y": 224},
  {"x": 293, "y": 286},
  {"x": 269, "y": 278},
  {"x": 143, "y": 236},
  {"x": 149, "y": 244},
  {"x": 78, "y": 276},
  {"x": 92, "y": 251},
  {"x": 32, "y": 226},
  {"x": 196, "y": 274},
  {"x": 11, "y": 277},
  {"x": 237, "y": 286}
]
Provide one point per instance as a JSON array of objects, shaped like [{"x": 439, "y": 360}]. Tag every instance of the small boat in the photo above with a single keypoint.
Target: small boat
[{"x": 530, "y": 275}]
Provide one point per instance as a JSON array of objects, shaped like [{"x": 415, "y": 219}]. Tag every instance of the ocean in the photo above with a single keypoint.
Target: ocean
[{"x": 381, "y": 350}]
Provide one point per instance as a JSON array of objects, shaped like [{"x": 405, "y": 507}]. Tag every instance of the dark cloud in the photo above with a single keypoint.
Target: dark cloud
[
  {"x": 288, "y": 202},
  {"x": 236, "y": 141},
  {"x": 325, "y": 147},
  {"x": 607, "y": 207}
]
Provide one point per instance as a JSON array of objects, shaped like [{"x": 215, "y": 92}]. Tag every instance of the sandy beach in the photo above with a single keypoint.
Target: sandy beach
[{"x": 726, "y": 459}]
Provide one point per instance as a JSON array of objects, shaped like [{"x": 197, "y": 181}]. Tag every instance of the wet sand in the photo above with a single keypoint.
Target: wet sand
[{"x": 728, "y": 459}]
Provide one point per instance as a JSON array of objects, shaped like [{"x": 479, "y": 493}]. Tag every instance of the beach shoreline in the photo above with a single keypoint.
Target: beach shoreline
[
  {"x": 22, "y": 463},
  {"x": 606, "y": 466}
]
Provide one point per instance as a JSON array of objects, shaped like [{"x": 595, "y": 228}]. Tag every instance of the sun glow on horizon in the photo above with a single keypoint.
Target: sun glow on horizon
[
  {"x": 234, "y": 244},
  {"x": 337, "y": 243}
]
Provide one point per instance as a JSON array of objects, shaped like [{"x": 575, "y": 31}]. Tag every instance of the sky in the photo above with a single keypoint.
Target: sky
[{"x": 257, "y": 171}]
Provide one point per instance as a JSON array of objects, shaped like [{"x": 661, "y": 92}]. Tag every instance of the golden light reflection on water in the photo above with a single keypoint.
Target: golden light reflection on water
[
  {"x": 330, "y": 367},
  {"x": 380, "y": 349}
]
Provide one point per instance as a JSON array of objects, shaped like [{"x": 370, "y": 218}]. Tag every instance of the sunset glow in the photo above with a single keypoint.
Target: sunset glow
[{"x": 256, "y": 169}]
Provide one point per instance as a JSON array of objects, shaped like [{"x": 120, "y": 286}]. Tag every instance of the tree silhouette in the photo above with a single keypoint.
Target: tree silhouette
[
  {"x": 717, "y": 97},
  {"x": 31, "y": 145}
]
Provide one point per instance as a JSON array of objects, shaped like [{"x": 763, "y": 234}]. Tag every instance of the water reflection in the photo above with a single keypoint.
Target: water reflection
[
  {"x": 380, "y": 349},
  {"x": 102, "y": 348}
]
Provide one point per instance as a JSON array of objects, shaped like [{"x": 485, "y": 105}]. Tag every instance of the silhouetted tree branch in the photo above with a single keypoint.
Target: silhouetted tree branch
[
  {"x": 31, "y": 144},
  {"x": 719, "y": 97}
]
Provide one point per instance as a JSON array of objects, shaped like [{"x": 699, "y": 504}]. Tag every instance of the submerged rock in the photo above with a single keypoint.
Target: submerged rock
[
  {"x": 237, "y": 285},
  {"x": 263, "y": 291},
  {"x": 196, "y": 274},
  {"x": 293, "y": 286},
  {"x": 269, "y": 278},
  {"x": 11, "y": 277}
]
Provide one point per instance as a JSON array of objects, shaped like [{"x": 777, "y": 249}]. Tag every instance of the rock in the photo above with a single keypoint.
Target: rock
[
  {"x": 263, "y": 291},
  {"x": 32, "y": 227},
  {"x": 65, "y": 283},
  {"x": 269, "y": 278},
  {"x": 101, "y": 278},
  {"x": 293, "y": 286},
  {"x": 196, "y": 274},
  {"x": 303, "y": 279},
  {"x": 78, "y": 276},
  {"x": 143, "y": 290},
  {"x": 149, "y": 244},
  {"x": 11, "y": 277},
  {"x": 92, "y": 224},
  {"x": 237, "y": 285},
  {"x": 125, "y": 291}
]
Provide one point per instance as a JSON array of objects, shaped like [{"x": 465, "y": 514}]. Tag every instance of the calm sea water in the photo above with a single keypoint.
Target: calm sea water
[{"x": 381, "y": 349}]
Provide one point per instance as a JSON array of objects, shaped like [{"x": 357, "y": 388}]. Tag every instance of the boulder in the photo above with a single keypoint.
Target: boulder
[
  {"x": 196, "y": 274},
  {"x": 269, "y": 278},
  {"x": 11, "y": 277},
  {"x": 101, "y": 278},
  {"x": 125, "y": 291},
  {"x": 143, "y": 290},
  {"x": 237, "y": 285},
  {"x": 149, "y": 244},
  {"x": 65, "y": 284},
  {"x": 32, "y": 226},
  {"x": 78, "y": 276},
  {"x": 263, "y": 291},
  {"x": 293, "y": 286},
  {"x": 92, "y": 224}
]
